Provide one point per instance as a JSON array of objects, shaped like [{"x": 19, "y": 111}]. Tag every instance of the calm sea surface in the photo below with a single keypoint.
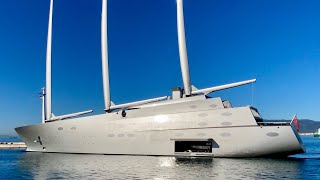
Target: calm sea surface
[{"x": 18, "y": 164}]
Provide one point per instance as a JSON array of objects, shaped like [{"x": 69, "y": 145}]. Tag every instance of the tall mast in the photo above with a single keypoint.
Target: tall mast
[
  {"x": 183, "y": 49},
  {"x": 48, "y": 66},
  {"x": 104, "y": 53}
]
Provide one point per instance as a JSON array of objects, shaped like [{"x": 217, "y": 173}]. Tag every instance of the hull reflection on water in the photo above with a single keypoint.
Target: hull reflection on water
[{"x": 55, "y": 165}]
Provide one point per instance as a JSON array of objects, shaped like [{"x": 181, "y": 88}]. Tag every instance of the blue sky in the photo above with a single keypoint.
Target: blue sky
[{"x": 277, "y": 42}]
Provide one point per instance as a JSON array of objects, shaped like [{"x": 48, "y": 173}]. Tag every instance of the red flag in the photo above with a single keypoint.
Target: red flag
[{"x": 295, "y": 122}]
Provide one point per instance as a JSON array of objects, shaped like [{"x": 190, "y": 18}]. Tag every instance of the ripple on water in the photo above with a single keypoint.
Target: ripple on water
[{"x": 16, "y": 164}]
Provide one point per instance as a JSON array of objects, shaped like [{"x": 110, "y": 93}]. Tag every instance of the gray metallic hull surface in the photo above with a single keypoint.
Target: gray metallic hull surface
[
  {"x": 246, "y": 141},
  {"x": 154, "y": 130}
]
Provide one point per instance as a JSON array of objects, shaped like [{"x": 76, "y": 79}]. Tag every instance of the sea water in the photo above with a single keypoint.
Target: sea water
[{"x": 18, "y": 164}]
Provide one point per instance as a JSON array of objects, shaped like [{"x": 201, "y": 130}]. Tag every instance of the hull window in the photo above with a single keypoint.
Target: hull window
[{"x": 193, "y": 146}]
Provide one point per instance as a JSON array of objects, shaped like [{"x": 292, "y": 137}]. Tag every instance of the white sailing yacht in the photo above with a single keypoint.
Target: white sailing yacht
[{"x": 187, "y": 123}]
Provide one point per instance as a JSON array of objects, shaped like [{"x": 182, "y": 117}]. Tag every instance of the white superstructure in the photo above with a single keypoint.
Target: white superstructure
[{"x": 188, "y": 123}]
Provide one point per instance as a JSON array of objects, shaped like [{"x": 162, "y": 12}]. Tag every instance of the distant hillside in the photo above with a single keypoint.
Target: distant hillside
[
  {"x": 7, "y": 136},
  {"x": 309, "y": 126},
  {"x": 306, "y": 125}
]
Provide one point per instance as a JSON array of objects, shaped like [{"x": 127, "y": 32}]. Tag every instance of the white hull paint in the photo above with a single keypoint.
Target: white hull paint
[{"x": 154, "y": 130}]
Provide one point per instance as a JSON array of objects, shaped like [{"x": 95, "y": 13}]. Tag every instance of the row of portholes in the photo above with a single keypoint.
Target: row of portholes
[
  {"x": 195, "y": 106},
  {"x": 223, "y": 114},
  {"x": 224, "y": 134},
  {"x": 120, "y": 135},
  {"x": 61, "y": 128},
  {"x": 227, "y": 134},
  {"x": 223, "y": 124}
]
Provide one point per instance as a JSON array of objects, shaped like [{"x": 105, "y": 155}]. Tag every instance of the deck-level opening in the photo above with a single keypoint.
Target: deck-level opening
[{"x": 193, "y": 146}]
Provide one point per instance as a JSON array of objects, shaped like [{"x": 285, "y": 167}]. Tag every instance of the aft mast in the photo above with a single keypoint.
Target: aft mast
[
  {"x": 183, "y": 49},
  {"x": 185, "y": 65},
  {"x": 48, "y": 67},
  {"x": 104, "y": 53}
]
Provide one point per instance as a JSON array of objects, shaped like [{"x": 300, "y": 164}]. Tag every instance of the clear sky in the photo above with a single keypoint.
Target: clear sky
[{"x": 277, "y": 42}]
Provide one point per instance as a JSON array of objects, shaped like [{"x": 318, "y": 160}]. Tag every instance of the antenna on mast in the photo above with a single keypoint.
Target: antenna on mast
[
  {"x": 43, "y": 98},
  {"x": 183, "y": 49},
  {"x": 104, "y": 53},
  {"x": 48, "y": 109},
  {"x": 46, "y": 92}
]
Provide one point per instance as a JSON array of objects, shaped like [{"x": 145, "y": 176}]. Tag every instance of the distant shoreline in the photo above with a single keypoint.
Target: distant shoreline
[
  {"x": 12, "y": 145},
  {"x": 306, "y": 134}
]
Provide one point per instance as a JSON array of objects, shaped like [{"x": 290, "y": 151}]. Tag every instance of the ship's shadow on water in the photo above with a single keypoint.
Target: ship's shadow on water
[{"x": 78, "y": 166}]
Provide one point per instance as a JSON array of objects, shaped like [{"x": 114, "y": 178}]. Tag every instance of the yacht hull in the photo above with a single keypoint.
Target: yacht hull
[
  {"x": 237, "y": 141},
  {"x": 199, "y": 127}
]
